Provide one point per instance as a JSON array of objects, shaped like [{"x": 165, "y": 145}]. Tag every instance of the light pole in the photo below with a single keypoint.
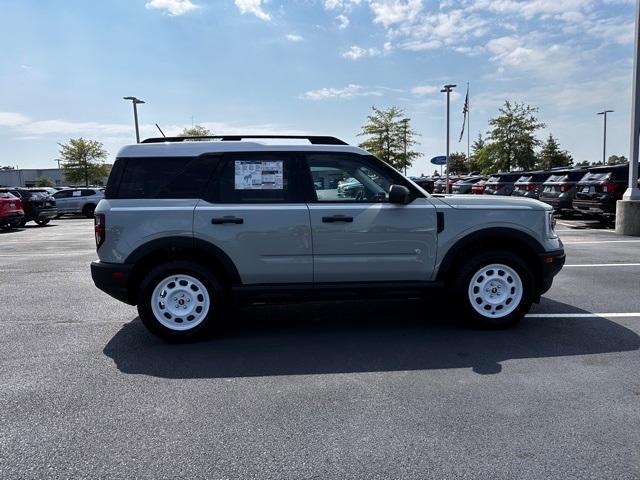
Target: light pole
[
  {"x": 448, "y": 89},
  {"x": 604, "y": 142},
  {"x": 135, "y": 102}
]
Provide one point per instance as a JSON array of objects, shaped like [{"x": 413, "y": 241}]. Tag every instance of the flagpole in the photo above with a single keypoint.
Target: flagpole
[{"x": 469, "y": 128}]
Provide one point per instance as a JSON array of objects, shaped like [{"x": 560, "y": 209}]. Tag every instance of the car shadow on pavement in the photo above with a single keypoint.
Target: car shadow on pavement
[{"x": 347, "y": 337}]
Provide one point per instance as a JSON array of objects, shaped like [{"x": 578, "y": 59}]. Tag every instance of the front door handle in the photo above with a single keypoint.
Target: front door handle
[
  {"x": 221, "y": 220},
  {"x": 337, "y": 218}
]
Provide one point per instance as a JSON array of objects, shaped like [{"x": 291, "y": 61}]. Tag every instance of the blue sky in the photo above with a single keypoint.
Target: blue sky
[{"x": 252, "y": 66}]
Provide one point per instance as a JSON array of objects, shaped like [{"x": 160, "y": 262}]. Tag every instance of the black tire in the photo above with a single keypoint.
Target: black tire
[
  {"x": 42, "y": 221},
  {"x": 88, "y": 210},
  {"x": 217, "y": 294},
  {"x": 22, "y": 223},
  {"x": 463, "y": 277}
]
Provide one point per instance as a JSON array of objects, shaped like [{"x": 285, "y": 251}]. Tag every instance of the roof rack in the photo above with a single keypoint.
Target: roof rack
[{"x": 313, "y": 139}]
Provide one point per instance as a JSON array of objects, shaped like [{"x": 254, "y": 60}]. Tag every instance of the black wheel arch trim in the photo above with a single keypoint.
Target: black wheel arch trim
[
  {"x": 504, "y": 233},
  {"x": 189, "y": 243}
]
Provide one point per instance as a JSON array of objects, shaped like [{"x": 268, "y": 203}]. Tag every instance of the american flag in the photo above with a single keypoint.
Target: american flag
[{"x": 465, "y": 112}]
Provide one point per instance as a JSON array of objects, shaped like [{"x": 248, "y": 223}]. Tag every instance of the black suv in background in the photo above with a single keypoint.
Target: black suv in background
[
  {"x": 530, "y": 184},
  {"x": 465, "y": 184},
  {"x": 501, "y": 183},
  {"x": 37, "y": 204},
  {"x": 559, "y": 189},
  {"x": 599, "y": 190}
]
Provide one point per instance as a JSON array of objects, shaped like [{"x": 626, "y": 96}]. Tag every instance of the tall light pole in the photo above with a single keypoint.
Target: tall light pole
[
  {"x": 448, "y": 89},
  {"x": 604, "y": 142},
  {"x": 135, "y": 102}
]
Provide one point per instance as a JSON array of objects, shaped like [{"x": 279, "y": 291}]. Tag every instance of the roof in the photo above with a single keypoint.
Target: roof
[{"x": 173, "y": 148}]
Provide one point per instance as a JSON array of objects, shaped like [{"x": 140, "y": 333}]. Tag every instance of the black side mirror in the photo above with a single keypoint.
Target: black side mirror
[{"x": 399, "y": 194}]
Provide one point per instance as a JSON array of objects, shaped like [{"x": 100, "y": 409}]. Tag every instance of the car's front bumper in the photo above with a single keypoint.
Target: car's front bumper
[
  {"x": 113, "y": 279},
  {"x": 552, "y": 263}
]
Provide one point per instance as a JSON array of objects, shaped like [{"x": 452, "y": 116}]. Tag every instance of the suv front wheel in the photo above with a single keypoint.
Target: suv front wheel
[
  {"x": 180, "y": 300},
  {"x": 494, "y": 289}
]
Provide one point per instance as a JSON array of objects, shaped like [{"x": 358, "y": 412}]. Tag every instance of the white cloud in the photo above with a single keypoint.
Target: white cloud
[
  {"x": 355, "y": 52},
  {"x": 254, "y": 7},
  {"x": 349, "y": 91},
  {"x": 12, "y": 119},
  {"x": 172, "y": 7},
  {"x": 424, "y": 90},
  {"x": 292, "y": 37},
  {"x": 343, "y": 21},
  {"x": 345, "y": 5},
  {"x": 391, "y": 12}
]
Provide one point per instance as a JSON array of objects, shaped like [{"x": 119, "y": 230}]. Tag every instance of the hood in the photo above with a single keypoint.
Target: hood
[{"x": 492, "y": 203}]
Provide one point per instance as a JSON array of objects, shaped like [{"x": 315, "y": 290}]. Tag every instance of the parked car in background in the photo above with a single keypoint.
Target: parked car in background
[
  {"x": 37, "y": 204},
  {"x": 425, "y": 182},
  {"x": 464, "y": 185},
  {"x": 478, "y": 187},
  {"x": 49, "y": 190},
  {"x": 11, "y": 213},
  {"x": 501, "y": 183},
  {"x": 559, "y": 189},
  {"x": 530, "y": 184},
  {"x": 440, "y": 185},
  {"x": 78, "y": 200},
  {"x": 599, "y": 190}
]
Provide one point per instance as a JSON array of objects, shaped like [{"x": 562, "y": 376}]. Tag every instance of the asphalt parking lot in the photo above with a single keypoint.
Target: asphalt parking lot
[{"x": 343, "y": 390}]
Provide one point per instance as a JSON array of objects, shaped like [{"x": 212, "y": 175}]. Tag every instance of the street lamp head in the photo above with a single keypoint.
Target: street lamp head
[
  {"x": 133, "y": 99},
  {"x": 605, "y": 112},
  {"x": 448, "y": 88}
]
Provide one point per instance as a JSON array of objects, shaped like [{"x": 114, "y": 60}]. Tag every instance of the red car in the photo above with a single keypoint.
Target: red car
[
  {"x": 11, "y": 213},
  {"x": 478, "y": 188}
]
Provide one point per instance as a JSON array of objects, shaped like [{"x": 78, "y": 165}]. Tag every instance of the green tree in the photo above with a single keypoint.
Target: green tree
[
  {"x": 390, "y": 137},
  {"x": 476, "y": 148},
  {"x": 513, "y": 136},
  {"x": 83, "y": 161},
  {"x": 584, "y": 163},
  {"x": 458, "y": 163},
  {"x": 616, "y": 160},
  {"x": 44, "y": 181},
  {"x": 196, "y": 131},
  {"x": 552, "y": 156}
]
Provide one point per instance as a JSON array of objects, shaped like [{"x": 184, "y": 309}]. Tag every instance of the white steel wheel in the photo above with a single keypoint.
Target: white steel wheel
[
  {"x": 495, "y": 291},
  {"x": 180, "y": 302}
]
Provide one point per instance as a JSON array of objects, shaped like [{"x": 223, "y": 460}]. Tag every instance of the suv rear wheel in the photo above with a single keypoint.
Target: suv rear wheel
[
  {"x": 494, "y": 289},
  {"x": 180, "y": 300}
]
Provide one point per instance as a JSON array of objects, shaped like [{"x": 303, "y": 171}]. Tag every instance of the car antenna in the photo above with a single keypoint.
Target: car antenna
[{"x": 158, "y": 127}]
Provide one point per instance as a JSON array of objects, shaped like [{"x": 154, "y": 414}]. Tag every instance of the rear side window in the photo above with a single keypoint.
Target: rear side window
[
  {"x": 161, "y": 177},
  {"x": 88, "y": 193}
]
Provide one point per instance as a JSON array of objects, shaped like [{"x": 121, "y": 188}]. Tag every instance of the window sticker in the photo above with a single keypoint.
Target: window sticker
[{"x": 257, "y": 175}]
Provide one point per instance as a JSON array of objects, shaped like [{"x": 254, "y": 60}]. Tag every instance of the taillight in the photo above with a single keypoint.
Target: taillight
[
  {"x": 565, "y": 187},
  {"x": 610, "y": 187},
  {"x": 99, "y": 229},
  {"x": 531, "y": 186}
]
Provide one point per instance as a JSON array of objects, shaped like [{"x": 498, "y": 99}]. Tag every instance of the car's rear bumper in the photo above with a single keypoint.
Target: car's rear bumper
[
  {"x": 597, "y": 207},
  {"x": 552, "y": 263},
  {"x": 12, "y": 218},
  {"x": 558, "y": 203},
  {"x": 113, "y": 279}
]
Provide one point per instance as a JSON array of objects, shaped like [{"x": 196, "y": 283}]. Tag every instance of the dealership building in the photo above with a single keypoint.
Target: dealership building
[{"x": 26, "y": 177}]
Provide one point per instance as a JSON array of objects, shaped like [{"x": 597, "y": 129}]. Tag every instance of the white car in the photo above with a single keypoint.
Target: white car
[{"x": 78, "y": 200}]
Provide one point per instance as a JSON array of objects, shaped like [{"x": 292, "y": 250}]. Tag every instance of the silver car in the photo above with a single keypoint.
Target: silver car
[
  {"x": 78, "y": 200},
  {"x": 188, "y": 228}
]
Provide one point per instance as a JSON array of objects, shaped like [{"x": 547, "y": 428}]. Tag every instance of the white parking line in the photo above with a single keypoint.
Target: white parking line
[
  {"x": 604, "y": 265},
  {"x": 602, "y": 241},
  {"x": 29, "y": 254},
  {"x": 582, "y": 315}
]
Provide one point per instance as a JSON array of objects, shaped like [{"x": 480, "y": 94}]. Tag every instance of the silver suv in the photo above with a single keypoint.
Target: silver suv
[
  {"x": 78, "y": 200},
  {"x": 187, "y": 228}
]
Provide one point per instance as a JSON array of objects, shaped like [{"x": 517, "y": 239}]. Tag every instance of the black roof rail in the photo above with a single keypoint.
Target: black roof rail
[{"x": 313, "y": 139}]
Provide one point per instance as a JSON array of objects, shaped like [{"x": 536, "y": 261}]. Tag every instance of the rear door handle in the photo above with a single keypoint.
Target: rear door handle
[
  {"x": 221, "y": 220},
  {"x": 337, "y": 218}
]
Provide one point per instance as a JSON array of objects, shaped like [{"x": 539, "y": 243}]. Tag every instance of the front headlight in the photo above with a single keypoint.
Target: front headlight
[{"x": 550, "y": 223}]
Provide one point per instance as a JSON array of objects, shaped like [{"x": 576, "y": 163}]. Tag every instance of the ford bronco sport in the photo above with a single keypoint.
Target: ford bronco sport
[{"x": 188, "y": 227}]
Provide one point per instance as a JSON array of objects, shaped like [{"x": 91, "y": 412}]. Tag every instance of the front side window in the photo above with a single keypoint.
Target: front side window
[{"x": 341, "y": 178}]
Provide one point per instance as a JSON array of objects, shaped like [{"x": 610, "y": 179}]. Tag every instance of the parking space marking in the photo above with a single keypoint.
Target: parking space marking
[
  {"x": 58, "y": 254},
  {"x": 601, "y": 241},
  {"x": 582, "y": 315},
  {"x": 604, "y": 265}
]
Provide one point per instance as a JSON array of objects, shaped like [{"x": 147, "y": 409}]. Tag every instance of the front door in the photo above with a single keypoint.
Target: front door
[
  {"x": 254, "y": 212},
  {"x": 358, "y": 236}
]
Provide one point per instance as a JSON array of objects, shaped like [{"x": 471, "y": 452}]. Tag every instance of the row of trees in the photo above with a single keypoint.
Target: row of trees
[{"x": 511, "y": 143}]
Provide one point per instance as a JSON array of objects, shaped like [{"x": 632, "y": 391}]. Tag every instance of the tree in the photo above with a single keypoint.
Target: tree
[
  {"x": 196, "y": 131},
  {"x": 551, "y": 156},
  {"x": 584, "y": 163},
  {"x": 390, "y": 137},
  {"x": 44, "y": 181},
  {"x": 616, "y": 160},
  {"x": 458, "y": 163},
  {"x": 476, "y": 148},
  {"x": 513, "y": 137},
  {"x": 83, "y": 161}
]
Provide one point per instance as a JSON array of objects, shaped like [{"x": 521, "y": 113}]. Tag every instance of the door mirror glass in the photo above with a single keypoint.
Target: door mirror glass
[{"x": 399, "y": 194}]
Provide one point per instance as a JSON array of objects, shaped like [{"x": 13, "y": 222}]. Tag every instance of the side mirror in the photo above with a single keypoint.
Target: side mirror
[{"x": 399, "y": 194}]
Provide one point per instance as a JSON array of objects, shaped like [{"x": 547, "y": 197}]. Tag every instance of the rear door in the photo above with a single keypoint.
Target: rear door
[
  {"x": 63, "y": 197},
  {"x": 254, "y": 211},
  {"x": 366, "y": 238}
]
